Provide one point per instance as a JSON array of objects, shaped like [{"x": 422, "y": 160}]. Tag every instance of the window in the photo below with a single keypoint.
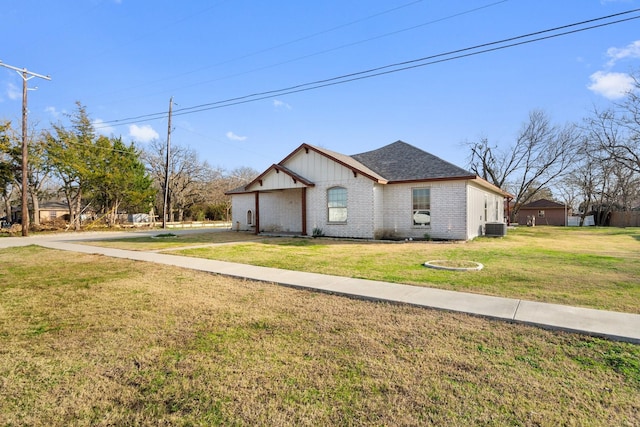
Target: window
[
  {"x": 497, "y": 210},
  {"x": 486, "y": 204},
  {"x": 540, "y": 214},
  {"x": 249, "y": 217},
  {"x": 421, "y": 201},
  {"x": 337, "y": 204}
]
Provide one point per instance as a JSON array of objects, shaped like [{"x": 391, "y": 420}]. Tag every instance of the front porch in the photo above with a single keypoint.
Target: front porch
[{"x": 279, "y": 211}]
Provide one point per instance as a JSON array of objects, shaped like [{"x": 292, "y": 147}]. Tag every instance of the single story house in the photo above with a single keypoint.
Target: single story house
[
  {"x": 543, "y": 212},
  {"x": 48, "y": 211},
  {"x": 397, "y": 191}
]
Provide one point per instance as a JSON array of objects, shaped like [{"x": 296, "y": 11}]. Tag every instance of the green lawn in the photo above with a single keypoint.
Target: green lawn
[
  {"x": 589, "y": 267},
  {"x": 91, "y": 340},
  {"x": 168, "y": 240}
]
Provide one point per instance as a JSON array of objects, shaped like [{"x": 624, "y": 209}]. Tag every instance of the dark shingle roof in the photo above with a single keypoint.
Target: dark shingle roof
[
  {"x": 543, "y": 203},
  {"x": 404, "y": 162}
]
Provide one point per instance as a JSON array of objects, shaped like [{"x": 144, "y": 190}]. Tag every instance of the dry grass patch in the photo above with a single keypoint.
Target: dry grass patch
[{"x": 87, "y": 340}]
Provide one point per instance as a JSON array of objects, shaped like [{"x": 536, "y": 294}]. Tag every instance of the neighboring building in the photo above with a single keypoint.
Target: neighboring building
[
  {"x": 49, "y": 211},
  {"x": 397, "y": 191},
  {"x": 543, "y": 212}
]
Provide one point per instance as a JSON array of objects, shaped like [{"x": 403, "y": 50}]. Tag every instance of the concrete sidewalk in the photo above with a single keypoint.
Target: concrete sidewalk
[{"x": 613, "y": 325}]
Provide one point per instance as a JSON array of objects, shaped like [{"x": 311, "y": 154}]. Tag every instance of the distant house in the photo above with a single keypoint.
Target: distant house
[
  {"x": 48, "y": 211},
  {"x": 397, "y": 191},
  {"x": 543, "y": 212}
]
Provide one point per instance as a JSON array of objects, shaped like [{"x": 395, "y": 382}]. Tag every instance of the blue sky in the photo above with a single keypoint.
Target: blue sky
[{"x": 126, "y": 58}]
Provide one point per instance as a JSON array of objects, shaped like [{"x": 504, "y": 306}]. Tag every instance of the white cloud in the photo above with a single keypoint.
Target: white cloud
[
  {"x": 632, "y": 50},
  {"x": 610, "y": 85},
  {"x": 281, "y": 105},
  {"x": 13, "y": 92},
  {"x": 144, "y": 133},
  {"x": 233, "y": 137},
  {"x": 100, "y": 127},
  {"x": 54, "y": 113}
]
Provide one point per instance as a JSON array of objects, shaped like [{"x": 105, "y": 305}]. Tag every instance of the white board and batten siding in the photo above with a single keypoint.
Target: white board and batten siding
[
  {"x": 276, "y": 180},
  {"x": 280, "y": 204},
  {"x": 483, "y": 207},
  {"x": 325, "y": 174}
]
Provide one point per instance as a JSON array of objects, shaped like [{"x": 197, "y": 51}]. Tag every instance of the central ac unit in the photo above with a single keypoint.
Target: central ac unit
[{"x": 495, "y": 229}]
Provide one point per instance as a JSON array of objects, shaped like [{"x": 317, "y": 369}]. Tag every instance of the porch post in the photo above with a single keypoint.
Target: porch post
[
  {"x": 257, "y": 211},
  {"x": 304, "y": 211}
]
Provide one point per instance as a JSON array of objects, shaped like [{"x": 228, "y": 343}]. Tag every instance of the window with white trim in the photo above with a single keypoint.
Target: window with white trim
[
  {"x": 337, "y": 204},
  {"x": 486, "y": 206},
  {"x": 421, "y": 206}
]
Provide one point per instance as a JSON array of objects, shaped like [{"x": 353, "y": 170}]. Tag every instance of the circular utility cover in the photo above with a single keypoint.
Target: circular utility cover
[{"x": 454, "y": 265}]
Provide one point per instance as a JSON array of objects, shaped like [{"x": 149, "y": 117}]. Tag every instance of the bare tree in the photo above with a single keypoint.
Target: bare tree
[
  {"x": 616, "y": 130},
  {"x": 602, "y": 184},
  {"x": 7, "y": 182},
  {"x": 541, "y": 154},
  {"x": 38, "y": 169},
  {"x": 236, "y": 178},
  {"x": 38, "y": 172},
  {"x": 187, "y": 176},
  {"x": 612, "y": 141}
]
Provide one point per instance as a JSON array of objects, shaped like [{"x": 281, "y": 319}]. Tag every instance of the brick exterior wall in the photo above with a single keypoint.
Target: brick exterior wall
[
  {"x": 281, "y": 211},
  {"x": 240, "y": 205},
  {"x": 374, "y": 210},
  {"x": 448, "y": 207},
  {"x": 360, "y": 208}
]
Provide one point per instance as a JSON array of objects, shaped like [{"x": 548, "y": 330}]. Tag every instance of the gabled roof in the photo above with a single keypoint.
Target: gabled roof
[
  {"x": 402, "y": 162},
  {"x": 237, "y": 190},
  {"x": 347, "y": 161},
  {"x": 398, "y": 162},
  {"x": 278, "y": 168},
  {"x": 543, "y": 203},
  {"x": 54, "y": 205}
]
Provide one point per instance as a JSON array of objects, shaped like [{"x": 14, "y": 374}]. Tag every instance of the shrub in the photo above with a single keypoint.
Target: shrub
[{"x": 386, "y": 234}]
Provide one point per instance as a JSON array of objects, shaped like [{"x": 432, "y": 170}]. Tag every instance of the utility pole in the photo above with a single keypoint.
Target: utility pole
[
  {"x": 167, "y": 174},
  {"x": 26, "y": 76}
]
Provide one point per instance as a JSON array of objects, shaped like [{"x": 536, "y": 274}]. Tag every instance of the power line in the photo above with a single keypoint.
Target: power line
[
  {"x": 350, "y": 77},
  {"x": 334, "y": 83},
  {"x": 387, "y": 69},
  {"x": 288, "y": 43},
  {"x": 322, "y": 52}
]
